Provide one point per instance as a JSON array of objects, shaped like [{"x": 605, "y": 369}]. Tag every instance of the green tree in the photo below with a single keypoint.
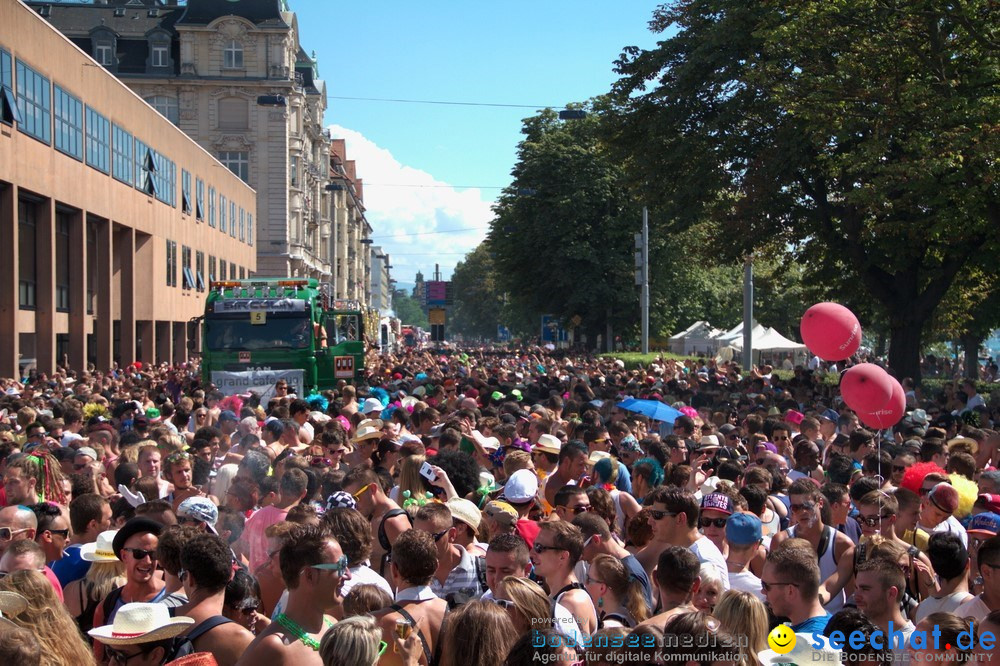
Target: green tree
[
  {"x": 858, "y": 135},
  {"x": 408, "y": 309},
  {"x": 478, "y": 301},
  {"x": 562, "y": 237}
]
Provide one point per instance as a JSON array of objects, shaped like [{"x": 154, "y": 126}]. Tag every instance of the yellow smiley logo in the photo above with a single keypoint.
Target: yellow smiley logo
[{"x": 781, "y": 639}]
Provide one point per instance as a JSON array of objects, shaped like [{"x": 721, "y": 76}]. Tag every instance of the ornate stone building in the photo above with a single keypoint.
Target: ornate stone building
[{"x": 234, "y": 77}]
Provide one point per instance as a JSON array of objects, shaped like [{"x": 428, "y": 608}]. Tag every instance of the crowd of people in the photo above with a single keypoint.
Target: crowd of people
[{"x": 484, "y": 507}]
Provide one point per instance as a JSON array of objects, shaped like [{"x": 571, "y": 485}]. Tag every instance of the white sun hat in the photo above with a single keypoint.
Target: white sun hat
[{"x": 141, "y": 623}]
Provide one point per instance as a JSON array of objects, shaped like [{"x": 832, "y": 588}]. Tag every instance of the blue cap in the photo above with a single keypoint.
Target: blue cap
[
  {"x": 830, "y": 415},
  {"x": 743, "y": 529},
  {"x": 227, "y": 415},
  {"x": 987, "y": 524}
]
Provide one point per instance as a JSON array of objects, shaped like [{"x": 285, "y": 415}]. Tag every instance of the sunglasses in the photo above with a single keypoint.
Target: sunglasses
[
  {"x": 361, "y": 491},
  {"x": 872, "y": 521},
  {"x": 581, "y": 508},
  {"x": 337, "y": 567},
  {"x": 712, "y": 522},
  {"x": 440, "y": 534},
  {"x": 660, "y": 515},
  {"x": 506, "y": 604},
  {"x": 539, "y": 548},
  {"x": 899, "y": 468},
  {"x": 808, "y": 506},
  {"x": 319, "y": 461},
  {"x": 6, "y": 533},
  {"x": 120, "y": 657},
  {"x": 766, "y": 587},
  {"x": 63, "y": 533},
  {"x": 248, "y": 608},
  {"x": 140, "y": 554}
]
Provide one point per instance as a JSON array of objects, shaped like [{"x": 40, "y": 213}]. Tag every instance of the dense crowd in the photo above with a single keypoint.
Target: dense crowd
[{"x": 486, "y": 507}]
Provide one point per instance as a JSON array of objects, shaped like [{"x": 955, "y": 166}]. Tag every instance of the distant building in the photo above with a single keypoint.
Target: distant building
[
  {"x": 381, "y": 281},
  {"x": 234, "y": 77},
  {"x": 112, "y": 220}
]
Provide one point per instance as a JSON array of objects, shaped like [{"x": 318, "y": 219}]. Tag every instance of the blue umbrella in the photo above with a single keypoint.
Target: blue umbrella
[{"x": 654, "y": 409}]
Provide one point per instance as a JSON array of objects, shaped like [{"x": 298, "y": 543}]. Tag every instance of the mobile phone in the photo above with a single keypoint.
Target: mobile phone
[{"x": 427, "y": 472}]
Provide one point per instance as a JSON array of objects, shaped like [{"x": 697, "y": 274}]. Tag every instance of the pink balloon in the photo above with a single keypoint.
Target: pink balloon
[
  {"x": 891, "y": 413},
  {"x": 831, "y": 331},
  {"x": 866, "y": 388}
]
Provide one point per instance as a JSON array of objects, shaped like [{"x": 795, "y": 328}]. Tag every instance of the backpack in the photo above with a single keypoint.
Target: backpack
[{"x": 183, "y": 645}]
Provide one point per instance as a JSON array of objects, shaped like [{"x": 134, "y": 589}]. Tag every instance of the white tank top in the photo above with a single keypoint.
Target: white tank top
[{"x": 827, "y": 566}]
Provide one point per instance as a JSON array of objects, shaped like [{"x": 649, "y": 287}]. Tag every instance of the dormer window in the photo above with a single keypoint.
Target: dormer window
[
  {"x": 160, "y": 55},
  {"x": 232, "y": 55},
  {"x": 102, "y": 53}
]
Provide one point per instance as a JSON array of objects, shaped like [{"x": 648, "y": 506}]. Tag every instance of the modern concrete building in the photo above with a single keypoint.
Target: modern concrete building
[
  {"x": 112, "y": 220},
  {"x": 234, "y": 77}
]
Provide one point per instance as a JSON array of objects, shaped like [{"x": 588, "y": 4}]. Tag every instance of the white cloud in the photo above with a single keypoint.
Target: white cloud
[{"x": 402, "y": 201}]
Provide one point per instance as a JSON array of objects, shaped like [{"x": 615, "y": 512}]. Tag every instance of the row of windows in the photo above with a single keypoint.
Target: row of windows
[
  {"x": 83, "y": 133},
  {"x": 194, "y": 278},
  {"x": 159, "y": 53}
]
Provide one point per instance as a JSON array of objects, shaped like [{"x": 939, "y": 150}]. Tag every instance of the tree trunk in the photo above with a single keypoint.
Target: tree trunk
[
  {"x": 904, "y": 349},
  {"x": 970, "y": 343}
]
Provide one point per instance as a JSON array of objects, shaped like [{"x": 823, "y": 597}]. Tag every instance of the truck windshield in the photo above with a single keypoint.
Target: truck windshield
[
  {"x": 343, "y": 328},
  {"x": 280, "y": 331}
]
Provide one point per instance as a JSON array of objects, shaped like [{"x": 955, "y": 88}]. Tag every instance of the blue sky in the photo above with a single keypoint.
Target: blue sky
[{"x": 547, "y": 52}]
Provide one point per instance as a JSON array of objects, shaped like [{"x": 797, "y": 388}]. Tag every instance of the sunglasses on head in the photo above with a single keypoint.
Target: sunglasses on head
[{"x": 712, "y": 522}]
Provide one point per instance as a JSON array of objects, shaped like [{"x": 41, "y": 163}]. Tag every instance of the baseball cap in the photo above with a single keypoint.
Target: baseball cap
[
  {"x": 717, "y": 502},
  {"x": 985, "y": 524},
  {"x": 227, "y": 415},
  {"x": 829, "y": 415},
  {"x": 86, "y": 451},
  {"x": 199, "y": 508},
  {"x": 990, "y": 502},
  {"x": 726, "y": 429},
  {"x": 521, "y": 487},
  {"x": 944, "y": 497},
  {"x": 372, "y": 405},
  {"x": 504, "y": 514},
  {"x": 466, "y": 511},
  {"x": 743, "y": 529}
]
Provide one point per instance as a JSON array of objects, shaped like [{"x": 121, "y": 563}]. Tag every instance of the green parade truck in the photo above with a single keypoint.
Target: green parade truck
[{"x": 260, "y": 331}]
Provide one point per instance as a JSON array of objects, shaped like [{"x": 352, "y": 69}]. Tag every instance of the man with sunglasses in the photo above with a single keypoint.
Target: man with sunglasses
[
  {"x": 555, "y": 553},
  {"x": 833, "y": 549},
  {"x": 674, "y": 521},
  {"x": 457, "y": 570},
  {"x": 314, "y": 569},
  {"x": 206, "y": 568},
  {"x": 388, "y": 521},
  {"x": 570, "y": 502},
  {"x": 598, "y": 541},
  {"x": 53, "y": 530}
]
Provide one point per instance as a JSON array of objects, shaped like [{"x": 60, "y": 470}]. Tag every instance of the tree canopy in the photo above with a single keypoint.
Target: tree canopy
[{"x": 858, "y": 138}]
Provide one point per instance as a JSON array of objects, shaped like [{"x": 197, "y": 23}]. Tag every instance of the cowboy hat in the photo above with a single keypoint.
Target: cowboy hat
[
  {"x": 548, "y": 444},
  {"x": 101, "y": 550},
  {"x": 141, "y": 623},
  {"x": 366, "y": 432}
]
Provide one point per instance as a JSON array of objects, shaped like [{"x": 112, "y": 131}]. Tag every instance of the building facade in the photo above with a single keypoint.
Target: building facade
[
  {"x": 381, "y": 281},
  {"x": 351, "y": 230},
  {"x": 234, "y": 77},
  {"x": 112, "y": 221}
]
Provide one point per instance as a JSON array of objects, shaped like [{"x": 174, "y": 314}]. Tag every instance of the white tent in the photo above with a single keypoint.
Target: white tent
[
  {"x": 698, "y": 338},
  {"x": 764, "y": 339}
]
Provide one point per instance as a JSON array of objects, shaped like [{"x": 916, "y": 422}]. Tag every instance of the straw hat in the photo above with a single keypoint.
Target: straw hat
[
  {"x": 366, "y": 432},
  {"x": 101, "y": 550},
  {"x": 12, "y": 603},
  {"x": 595, "y": 456},
  {"x": 548, "y": 444},
  {"x": 141, "y": 623}
]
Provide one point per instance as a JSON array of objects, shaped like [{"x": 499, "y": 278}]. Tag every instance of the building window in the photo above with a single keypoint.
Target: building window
[
  {"x": 189, "y": 282},
  {"x": 63, "y": 222},
  {"x": 27, "y": 274},
  {"x": 160, "y": 55},
  {"x": 199, "y": 268},
  {"x": 91, "y": 266},
  {"x": 211, "y": 270},
  {"x": 234, "y": 113},
  {"x": 232, "y": 271},
  {"x": 166, "y": 106},
  {"x": 103, "y": 53},
  {"x": 34, "y": 103},
  {"x": 222, "y": 269},
  {"x": 187, "y": 205},
  {"x": 98, "y": 141},
  {"x": 8, "y": 101},
  {"x": 250, "y": 229},
  {"x": 232, "y": 55},
  {"x": 164, "y": 178},
  {"x": 69, "y": 123},
  {"x": 211, "y": 207},
  {"x": 243, "y": 225},
  {"x": 243, "y": 273},
  {"x": 222, "y": 213},
  {"x": 238, "y": 162},
  {"x": 232, "y": 219},
  {"x": 145, "y": 167},
  {"x": 293, "y": 170},
  {"x": 171, "y": 263},
  {"x": 121, "y": 151},
  {"x": 199, "y": 206}
]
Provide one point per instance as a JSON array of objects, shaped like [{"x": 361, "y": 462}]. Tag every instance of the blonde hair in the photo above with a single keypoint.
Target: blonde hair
[
  {"x": 743, "y": 614},
  {"x": 409, "y": 476},
  {"x": 102, "y": 578},
  {"x": 623, "y": 584},
  {"x": 516, "y": 459},
  {"x": 48, "y": 620},
  {"x": 530, "y": 601},
  {"x": 354, "y": 641}
]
